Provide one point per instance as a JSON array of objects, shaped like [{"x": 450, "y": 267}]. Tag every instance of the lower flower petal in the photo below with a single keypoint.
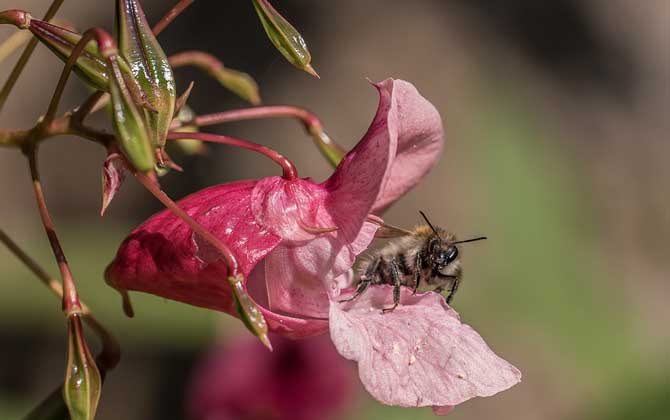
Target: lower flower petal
[{"x": 419, "y": 354}]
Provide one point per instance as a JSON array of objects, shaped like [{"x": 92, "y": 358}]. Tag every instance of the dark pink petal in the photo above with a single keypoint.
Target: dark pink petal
[
  {"x": 419, "y": 137},
  {"x": 163, "y": 256},
  {"x": 418, "y": 355},
  {"x": 112, "y": 178}
]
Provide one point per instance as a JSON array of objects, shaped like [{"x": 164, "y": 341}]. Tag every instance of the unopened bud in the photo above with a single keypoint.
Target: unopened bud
[
  {"x": 187, "y": 146},
  {"x": 149, "y": 66},
  {"x": 332, "y": 151},
  {"x": 284, "y": 36},
  {"x": 248, "y": 310},
  {"x": 131, "y": 131},
  {"x": 90, "y": 66},
  {"x": 81, "y": 390}
]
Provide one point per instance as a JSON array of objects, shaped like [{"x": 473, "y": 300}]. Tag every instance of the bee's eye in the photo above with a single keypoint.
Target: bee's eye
[
  {"x": 447, "y": 256},
  {"x": 451, "y": 254}
]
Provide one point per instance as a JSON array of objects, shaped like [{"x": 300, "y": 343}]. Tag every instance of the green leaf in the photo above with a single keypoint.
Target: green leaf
[{"x": 149, "y": 66}]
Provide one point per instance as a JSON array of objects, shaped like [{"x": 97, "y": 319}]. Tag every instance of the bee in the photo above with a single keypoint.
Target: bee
[{"x": 423, "y": 259}]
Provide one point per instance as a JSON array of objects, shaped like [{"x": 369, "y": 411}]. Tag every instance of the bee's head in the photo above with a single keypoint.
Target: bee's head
[
  {"x": 443, "y": 256},
  {"x": 444, "y": 252}
]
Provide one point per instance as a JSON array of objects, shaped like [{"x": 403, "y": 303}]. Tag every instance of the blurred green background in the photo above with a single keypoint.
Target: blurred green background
[{"x": 556, "y": 145}]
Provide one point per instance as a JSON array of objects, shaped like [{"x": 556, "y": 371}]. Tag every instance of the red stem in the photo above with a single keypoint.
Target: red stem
[
  {"x": 153, "y": 187},
  {"x": 71, "y": 302},
  {"x": 289, "y": 171},
  {"x": 170, "y": 16},
  {"x": 279, "y": 111}
]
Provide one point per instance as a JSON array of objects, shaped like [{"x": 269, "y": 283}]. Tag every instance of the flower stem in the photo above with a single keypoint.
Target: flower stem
[
  {"x": 110, "y": 355},
  {"x": 331, "y": 150},
  {"x": 289, "y": 171},
  {"x": 25, "y": 56},
  {"x": 154, "y": 188},
  {"x": 71, "y": 302},
  {"x": 171, "y": 15}
]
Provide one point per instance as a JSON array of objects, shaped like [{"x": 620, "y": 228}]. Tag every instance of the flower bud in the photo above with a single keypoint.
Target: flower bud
[
  {"x": 149, "y": 66},
  {"x": 332, "y": 151},
  {"x": 81, "y": 390},
  {"x": 187, "y": 146},
  {"x": 249, "y": 313},
  {"x": 128, "y": 122},
  {"x": 236, "y": 81},
  {"x": 90, "y": 65},
  {"x": 284, "y": 36}
]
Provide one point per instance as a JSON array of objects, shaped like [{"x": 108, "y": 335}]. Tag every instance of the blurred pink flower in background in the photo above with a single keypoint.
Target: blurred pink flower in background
[{"x": 299, "y": 380}]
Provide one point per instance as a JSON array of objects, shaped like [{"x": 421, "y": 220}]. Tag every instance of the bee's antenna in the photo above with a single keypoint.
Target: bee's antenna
[
  {"x": 481, "y": 238},
  {"x": 428, "y": 221}
]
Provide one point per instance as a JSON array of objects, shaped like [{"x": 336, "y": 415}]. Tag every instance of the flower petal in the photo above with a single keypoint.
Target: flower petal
[
  {"x": 419, "y": 137},
  {"x": 297, "y": 271},
  {"x": 418, "y": 355},
  {"x": 163, "y": 256},
  {"x": 306, "y": 269}
]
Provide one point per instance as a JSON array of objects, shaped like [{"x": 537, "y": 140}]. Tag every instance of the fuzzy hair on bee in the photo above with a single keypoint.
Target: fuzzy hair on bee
[{"x": 424, "y": 259}]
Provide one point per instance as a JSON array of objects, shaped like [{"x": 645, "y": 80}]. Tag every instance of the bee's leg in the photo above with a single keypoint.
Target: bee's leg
[
  {"x": 417, "y": 271},
  {"x": 452, "y": 289},
  {"x": 366, "y": 279},
  {"x": 393, "y": 270}
]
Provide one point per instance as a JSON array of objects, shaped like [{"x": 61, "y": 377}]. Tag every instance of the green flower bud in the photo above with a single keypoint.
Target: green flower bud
[
  {"x": 131, "y": 131},
  {"x": 187, "y": 146},
  {"x": 249, "y": 313},
  {"x": 81, "y": 390},
  {"x": 149, "y": 66},
  {"x": 90, "y": 65},
  {"x": 284, "y": 36},
  {"x": 236, "y": 81}
]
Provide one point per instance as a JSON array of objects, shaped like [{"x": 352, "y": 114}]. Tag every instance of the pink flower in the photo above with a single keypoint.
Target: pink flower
[
  {"x": 294, "y": 238},
  {"x": 418, "y": 355},
  {"x": 296, "y": 242},
  {"x": 299, "y": 380}
]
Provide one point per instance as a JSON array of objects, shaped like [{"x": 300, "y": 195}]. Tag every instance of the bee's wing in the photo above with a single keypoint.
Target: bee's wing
[{"x": 388, "y": 231}]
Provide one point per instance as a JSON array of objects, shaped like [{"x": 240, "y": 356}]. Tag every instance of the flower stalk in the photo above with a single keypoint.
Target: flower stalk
[
  {"x": 332, "y": 151},
  {"x": 288, "y": 169},
  {"x": 176, "y": 10}
]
